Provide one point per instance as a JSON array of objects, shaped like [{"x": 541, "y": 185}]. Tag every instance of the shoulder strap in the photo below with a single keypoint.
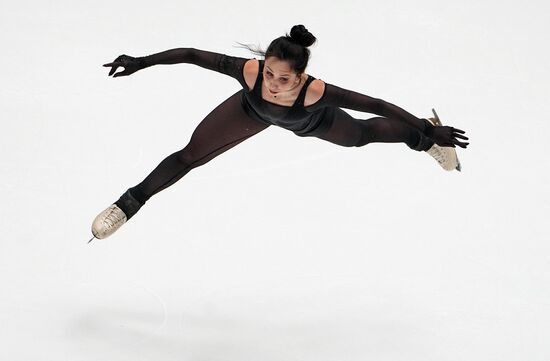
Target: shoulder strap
[
  {"x": 257, "y": 88},
  {"x": 302, "y": 95}
]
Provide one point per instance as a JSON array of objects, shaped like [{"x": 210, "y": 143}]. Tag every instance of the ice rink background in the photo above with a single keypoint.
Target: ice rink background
[{"x": 283, "y": 248}]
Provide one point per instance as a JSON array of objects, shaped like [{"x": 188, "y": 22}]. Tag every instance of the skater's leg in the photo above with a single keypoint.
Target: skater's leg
[
  {"x": 347, "y": 131},
  {"x": 226, "y": 126}
]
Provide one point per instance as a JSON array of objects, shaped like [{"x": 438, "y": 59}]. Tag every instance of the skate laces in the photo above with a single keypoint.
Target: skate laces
[
  {"x": 437, "y": 154},
  {"x": 113, "y": 218}
]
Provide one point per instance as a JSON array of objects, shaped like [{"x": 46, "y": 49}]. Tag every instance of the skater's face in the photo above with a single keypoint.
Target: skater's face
[{"x": 279, "y": 77}]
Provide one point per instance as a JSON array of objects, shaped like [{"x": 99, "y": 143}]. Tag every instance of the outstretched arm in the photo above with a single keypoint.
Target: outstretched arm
[
  {"x": 339, "y": 97},
  {"x": 225, "y": 64},
  {"x": 343, "y": 98}
]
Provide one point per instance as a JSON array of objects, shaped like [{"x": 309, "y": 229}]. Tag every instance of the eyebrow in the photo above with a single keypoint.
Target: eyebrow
[{"x": 272, "y": 71}]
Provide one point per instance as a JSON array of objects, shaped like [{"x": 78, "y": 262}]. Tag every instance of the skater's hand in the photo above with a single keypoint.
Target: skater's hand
[
  {"x": 445, "y": 136},
  {"x": 129, "y": 63}
]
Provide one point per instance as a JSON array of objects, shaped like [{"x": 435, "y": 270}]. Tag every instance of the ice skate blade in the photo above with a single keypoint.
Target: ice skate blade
[{"x": 437, "y": 120}]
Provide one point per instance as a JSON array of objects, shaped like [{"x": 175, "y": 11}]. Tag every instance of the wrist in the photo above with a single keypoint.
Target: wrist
[
  {"x": 144, "y": 62},
  {"x": 428, "y": 127}
]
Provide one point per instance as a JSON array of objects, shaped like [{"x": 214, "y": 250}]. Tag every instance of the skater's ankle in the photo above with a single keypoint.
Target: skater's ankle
[
  {"x": 128, "y": 204},
  {"x": 138, "y": 194},
  {"x": 424, "y": 143}
]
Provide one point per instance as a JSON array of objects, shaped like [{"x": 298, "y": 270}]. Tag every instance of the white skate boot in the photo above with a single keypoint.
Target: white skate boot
[
  {"x": 112, "y": 218},
  {"x": 108, "y": 221},
  {"x": 445, "y": 156}
]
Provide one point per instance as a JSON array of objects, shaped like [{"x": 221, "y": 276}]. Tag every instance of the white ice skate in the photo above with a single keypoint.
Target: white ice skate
[
  {"x": 111, "y": 219},
  {"x": 445, "y": 156},
  {"x": 107, "y": 222}
]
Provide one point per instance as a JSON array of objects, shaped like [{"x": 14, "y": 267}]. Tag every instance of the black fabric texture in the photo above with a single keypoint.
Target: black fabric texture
[
  {"x": 128, "y": 204},
  {"x": 245, "y": 114}
]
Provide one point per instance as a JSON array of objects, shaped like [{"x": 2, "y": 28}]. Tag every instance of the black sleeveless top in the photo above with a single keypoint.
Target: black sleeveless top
[{"x": 294, "y": 118}]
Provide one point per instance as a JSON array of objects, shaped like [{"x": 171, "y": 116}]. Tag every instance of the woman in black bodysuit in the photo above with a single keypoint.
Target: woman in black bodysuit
[{"x": 275, "y": 91}]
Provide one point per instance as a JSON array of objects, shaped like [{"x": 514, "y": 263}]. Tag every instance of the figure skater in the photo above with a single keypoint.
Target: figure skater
[{"x": 275, "y": 91}]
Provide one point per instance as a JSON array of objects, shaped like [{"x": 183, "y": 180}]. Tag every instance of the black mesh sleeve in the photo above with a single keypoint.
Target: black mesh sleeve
[
  {"x": 225, "y": 64},
  {"x": 338, "y": 97}
]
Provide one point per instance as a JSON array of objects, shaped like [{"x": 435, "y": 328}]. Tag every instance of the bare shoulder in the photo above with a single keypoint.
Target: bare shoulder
[
  {"x": 250, "y": 72},
  {"x": 314, "y": 92}
]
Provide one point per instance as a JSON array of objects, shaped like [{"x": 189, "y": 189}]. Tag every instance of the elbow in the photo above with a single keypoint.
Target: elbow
[
  {"x": 189, "y": 55},
  {"x": 380, "y": 107}
]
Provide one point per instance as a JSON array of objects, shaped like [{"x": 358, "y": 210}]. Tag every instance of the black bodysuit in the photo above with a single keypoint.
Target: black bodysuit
[{"x": 246, "y": 113}]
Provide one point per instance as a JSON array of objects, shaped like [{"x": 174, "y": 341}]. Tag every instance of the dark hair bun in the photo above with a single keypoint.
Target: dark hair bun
[{"x": 302, "y": 36}]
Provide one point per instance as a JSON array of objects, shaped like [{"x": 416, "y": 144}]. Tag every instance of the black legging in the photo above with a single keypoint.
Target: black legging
[{"x": 228, "y": 125}]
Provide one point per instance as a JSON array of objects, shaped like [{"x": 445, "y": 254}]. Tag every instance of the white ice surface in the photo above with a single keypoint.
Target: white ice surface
[{"x": 283, "y": 248}]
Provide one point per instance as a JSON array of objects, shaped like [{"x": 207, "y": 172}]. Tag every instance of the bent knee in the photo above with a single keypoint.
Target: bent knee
[{"x": 185, "y": 156}]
